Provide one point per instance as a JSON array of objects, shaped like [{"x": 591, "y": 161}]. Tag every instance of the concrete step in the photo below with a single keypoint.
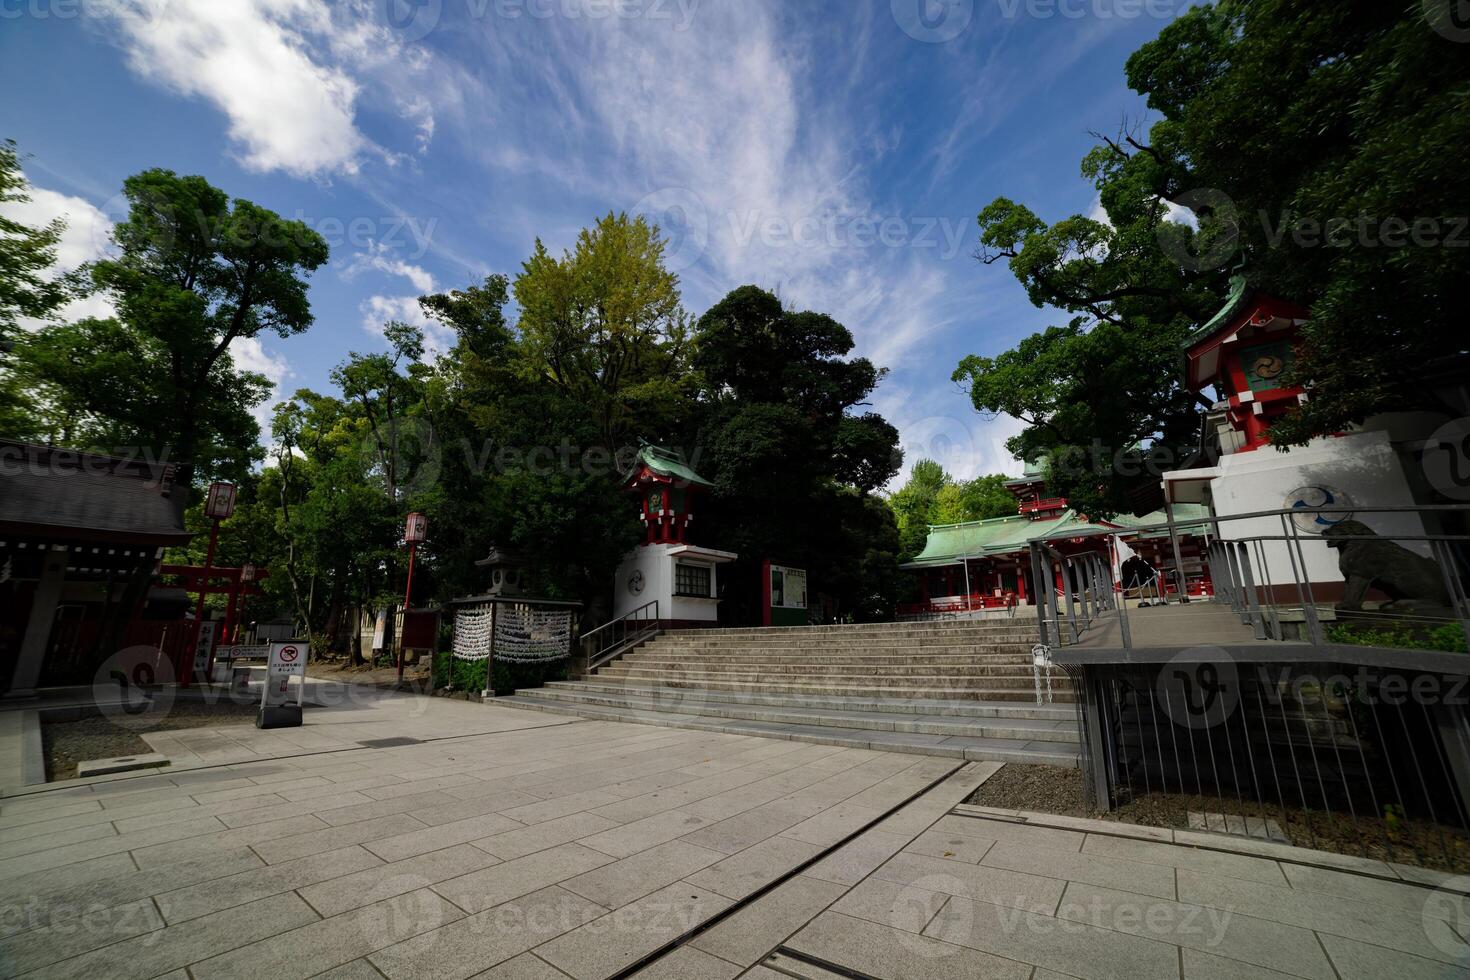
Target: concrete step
[
  {"x": 918, "y": 677},
  {"x": 951, "y": 689},
  {"x": 1066, "y": 713},
  {"x": 1012, "y": 669},
  {"x": 972, "y": 747},
  {"x": 890, "y": 650},
  {"x": 1021, "y": 621},
  {"x": 774, "y": 657},
  {"x": 692, "y": 702},
  {"x": 1026, "y": 635}
]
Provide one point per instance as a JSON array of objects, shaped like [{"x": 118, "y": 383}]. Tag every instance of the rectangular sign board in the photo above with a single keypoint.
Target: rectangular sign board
[
  {"x": 287, "y": 660},
  {"x": 788, "y": 587},
  {"x": 206, "y": 641}
]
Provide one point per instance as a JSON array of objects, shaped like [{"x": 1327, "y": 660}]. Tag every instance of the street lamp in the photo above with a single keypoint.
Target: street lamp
[
  {"x": 219, "y": 504},
  {"x": 415, "y": 530}
]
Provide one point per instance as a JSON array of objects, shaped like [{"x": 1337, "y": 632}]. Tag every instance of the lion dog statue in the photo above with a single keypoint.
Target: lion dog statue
[{"x": 1390, "y": 567}]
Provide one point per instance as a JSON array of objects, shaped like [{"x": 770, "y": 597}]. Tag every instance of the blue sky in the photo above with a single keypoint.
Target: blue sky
[{"x": 834, "y": 152}]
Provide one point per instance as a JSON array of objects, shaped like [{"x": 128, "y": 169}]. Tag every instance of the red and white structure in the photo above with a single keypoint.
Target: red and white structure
[{"x": 667, "y": 567}]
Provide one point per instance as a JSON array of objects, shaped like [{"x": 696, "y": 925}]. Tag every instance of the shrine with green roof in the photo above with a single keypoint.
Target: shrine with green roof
[
  {"x": 668, "y": 576},
  {"x": 975, "y": 566}
]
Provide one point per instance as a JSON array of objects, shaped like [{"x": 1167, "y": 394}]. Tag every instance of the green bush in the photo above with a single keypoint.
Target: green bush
[
  {"x": 1448, "y": 637},
  {"x": 469, "y": 675}
]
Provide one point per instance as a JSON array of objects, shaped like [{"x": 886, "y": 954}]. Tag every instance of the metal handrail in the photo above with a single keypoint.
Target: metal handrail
[
  {"x": 632, "y": 627},
  {"x": 1238, "y": 567}
]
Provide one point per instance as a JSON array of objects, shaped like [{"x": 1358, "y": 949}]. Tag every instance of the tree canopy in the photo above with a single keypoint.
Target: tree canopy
[
  {"x": 193, "y": 273},
  {"x": 1279, "y": 121},
  {"x": 29, "y": 287},
  {"x": 933, "y": 496}
]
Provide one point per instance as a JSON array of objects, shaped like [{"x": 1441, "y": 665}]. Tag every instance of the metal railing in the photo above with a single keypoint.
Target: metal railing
[
  {"x": 1369, "y": 757},
  {"x": 1264, "y": 577},
  {"x": 1289, "y": 705},
  {"x": 1087, "y": 590},
  {"x": 628, "y": 630}
]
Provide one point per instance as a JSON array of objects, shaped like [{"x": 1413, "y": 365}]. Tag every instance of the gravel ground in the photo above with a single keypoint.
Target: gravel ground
[
  {"x": 1047, "y": 789},
  {"x": 66, "y": 743}
]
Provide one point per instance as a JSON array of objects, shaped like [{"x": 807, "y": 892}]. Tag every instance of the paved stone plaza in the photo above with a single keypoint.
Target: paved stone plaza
[{"x": 506, "y": 843}]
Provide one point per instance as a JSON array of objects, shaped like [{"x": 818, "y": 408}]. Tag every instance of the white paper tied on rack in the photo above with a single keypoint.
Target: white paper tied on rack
[
  {"x": 472, "y": 634},
  {"x": 526, "y": 635}
]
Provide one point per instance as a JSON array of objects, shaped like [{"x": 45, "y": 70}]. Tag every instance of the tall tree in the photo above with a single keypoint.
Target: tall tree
[
  {"x": 1335, "y": 133},
  {"x": 1106, "y": 382},
  {"x": 194, "y": 272},
  {"x": 1316, "y": 146},
  {"x": 605, "y": 324},
  {"x": 793, "y": 457},
  {"x": 28, "y": 285},
  {"x": 932, "y": 496}
]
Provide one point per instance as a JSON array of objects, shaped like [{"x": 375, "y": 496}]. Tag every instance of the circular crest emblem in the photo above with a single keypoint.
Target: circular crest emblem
[{"x": 1308, "y": 499}]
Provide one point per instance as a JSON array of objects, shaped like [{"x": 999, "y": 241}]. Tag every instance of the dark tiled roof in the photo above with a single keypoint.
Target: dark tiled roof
[{"x": 79, "y": 495}]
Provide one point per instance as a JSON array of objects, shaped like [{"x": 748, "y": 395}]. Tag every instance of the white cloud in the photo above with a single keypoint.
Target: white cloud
[
  {"x": 288, "y": 108},
  {"x": 250, "y": 354},
  {"x": 381, "y": 261},
  {"x": 377, "y": 310},
  {"x": 86, "y": 237}
]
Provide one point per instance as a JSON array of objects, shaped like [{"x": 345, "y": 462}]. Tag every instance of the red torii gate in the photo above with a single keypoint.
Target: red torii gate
[{"x": 197, "y": 578}]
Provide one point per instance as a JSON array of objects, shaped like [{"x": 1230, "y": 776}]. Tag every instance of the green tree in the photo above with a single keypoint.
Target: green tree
[
  {"x": 1335, "y": 132},
  {"x": 913, "y": 505},
  {"x": 90, "y": 384},
  {"x": 1108, "y": 380},
  {"x": 28, "y": 287},
  {"x": 1312, "y": 142},
  {"x": 974, "y": 500},
  {"x": 932, "y": 496},
  {"x": 793, "y": 460},
  {"x": 194, "y": 272},
  {"x": 604, "y": 323},
  {"x": 524, "y": 465}
]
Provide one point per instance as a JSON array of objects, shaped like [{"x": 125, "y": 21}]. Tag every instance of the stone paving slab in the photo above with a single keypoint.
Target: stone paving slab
[{"x": 581, "y": 849}]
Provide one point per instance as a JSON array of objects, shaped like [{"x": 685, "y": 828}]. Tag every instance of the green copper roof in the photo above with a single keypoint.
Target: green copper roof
[
  {"x": 1240, "y": 293},
  {"x": 1036, "y": 469},
  {"x": 669, "y": 463},
  {"x": 1186, "y": 517},
  {"x": 950, "y": 543}
]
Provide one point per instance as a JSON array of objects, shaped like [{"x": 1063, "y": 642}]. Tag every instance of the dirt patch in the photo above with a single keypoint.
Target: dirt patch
[
  {"x": 369, "y": 676},
  {"x": 1048, "y": 789},
  {"x": 65, "y": 743}
]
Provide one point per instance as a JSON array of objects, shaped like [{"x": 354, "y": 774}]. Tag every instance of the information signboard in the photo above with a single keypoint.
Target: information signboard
[
  {"x": 279, "y": 708},
  {"x": 201, "y": 648},
  {"x": 785, "y": 596}
]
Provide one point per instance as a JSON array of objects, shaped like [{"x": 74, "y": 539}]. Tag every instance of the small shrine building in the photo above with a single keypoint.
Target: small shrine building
[{"x": 667, "y": 568}]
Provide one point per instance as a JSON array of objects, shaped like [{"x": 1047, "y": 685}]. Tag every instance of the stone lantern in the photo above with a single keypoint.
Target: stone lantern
[{"x": 505, "y": 571}]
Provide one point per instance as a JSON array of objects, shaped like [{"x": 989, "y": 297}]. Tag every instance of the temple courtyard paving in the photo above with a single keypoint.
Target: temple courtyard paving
[{"x": 399, "y": 836}]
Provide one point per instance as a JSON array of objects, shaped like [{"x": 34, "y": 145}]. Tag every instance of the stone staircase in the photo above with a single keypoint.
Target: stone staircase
[{"x": 959, "y": 689}]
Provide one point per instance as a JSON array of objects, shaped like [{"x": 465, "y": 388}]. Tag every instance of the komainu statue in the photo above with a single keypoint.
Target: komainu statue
[{"x": 1403, "y": 576}]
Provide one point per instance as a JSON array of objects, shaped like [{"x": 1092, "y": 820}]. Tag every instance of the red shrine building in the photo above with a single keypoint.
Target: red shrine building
[
  {"x": 979, "y": 566},
  {"x": 1241, "y": 362},
  {"x": 667, "y": 569},
  {"x": 81, "y": 537}
]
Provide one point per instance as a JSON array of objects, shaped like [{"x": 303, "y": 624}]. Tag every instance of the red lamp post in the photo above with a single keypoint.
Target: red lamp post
[
  {"x": 219, "y": 504},
  {"x": 415, "y": 530}
]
